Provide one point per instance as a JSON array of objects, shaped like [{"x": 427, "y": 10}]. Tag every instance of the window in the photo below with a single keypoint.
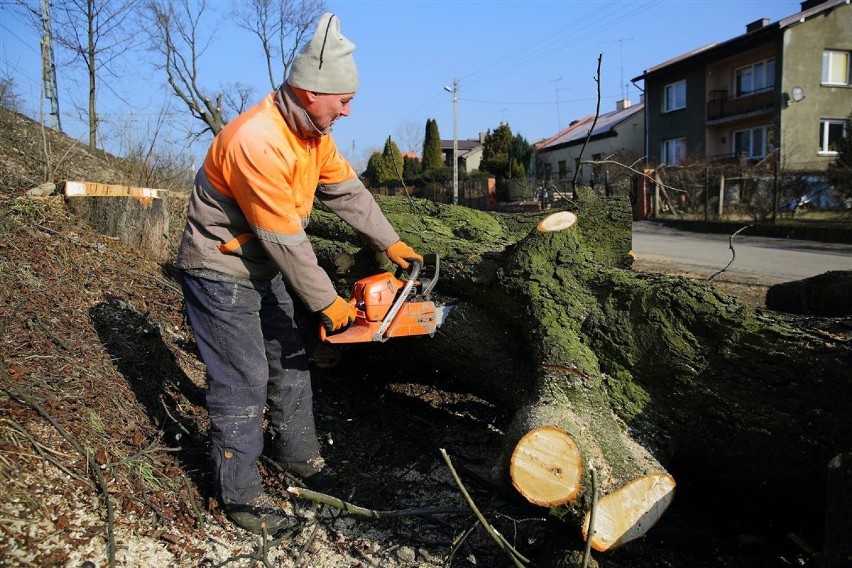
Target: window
[
  {"x": 673, "y": 151},
  {"x": 752, "y": 142},
  {"x": 675, "y": 96},
  {"x": 830, "y": 132},
  {"x": 835, "y": 67},
  {"x": 563, "y": 170},
  {"x": 756, "y": 77}
]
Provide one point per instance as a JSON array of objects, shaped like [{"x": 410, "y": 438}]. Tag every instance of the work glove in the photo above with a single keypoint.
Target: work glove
[
  {"x": 338, "y": 315},
  {"x": 400, "y": 253}
]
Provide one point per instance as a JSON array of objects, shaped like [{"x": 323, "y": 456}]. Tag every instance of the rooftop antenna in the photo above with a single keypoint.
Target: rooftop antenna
[
  {"x": 621, "y": 68},
  {"x": 558, "y": 117},
  {"x": 621, "y": 82}
]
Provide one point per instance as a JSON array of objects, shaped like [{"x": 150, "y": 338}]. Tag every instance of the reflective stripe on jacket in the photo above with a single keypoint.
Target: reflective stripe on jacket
[{"x": 254, "y": 194}]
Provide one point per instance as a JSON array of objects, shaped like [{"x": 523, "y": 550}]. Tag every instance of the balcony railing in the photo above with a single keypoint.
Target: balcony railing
[{"x": 721, "y": 106}]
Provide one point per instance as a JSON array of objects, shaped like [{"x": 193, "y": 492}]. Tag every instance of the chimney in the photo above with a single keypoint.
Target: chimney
[
  {"x": 808, "y": 4},
  {"x": 756, "y": 25},
  {"x": 622, "y": 104}
]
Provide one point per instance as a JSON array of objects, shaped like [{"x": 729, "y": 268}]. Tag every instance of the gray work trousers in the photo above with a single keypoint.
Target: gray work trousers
[{"x": 255, "y": 360}]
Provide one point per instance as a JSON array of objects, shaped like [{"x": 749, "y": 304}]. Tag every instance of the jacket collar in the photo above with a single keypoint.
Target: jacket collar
[{"x": 296, "y": 117}]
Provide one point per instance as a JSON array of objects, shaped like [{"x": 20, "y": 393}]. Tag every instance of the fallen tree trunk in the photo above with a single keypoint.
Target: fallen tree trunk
[
  {"x": 643, "y": 371},
  {"x": 828, "y": 295}
]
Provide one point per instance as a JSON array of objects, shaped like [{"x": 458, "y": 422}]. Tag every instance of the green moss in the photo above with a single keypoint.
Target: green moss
[{"x": 627, "y": 398}]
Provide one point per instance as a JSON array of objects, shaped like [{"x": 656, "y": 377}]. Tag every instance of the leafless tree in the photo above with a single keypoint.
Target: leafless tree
[
  {"x": 281, "y": 26},
  {"x": 95, "y": 33},
  {"x": 411, "y": 136},
  {"x": 176, "y": 35},
  {"x": 238, "y": 97},
  {"x": 9, "y": 96}
]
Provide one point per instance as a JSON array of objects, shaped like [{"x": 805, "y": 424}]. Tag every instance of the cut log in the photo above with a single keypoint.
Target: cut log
[
  {"x": 629, "y": 512},
  {"x": 558, "y": 221},
  {"x": 137, "y": 216},
  {"x": 92, "y": 189},
  {"x": 546, "y": 467}
]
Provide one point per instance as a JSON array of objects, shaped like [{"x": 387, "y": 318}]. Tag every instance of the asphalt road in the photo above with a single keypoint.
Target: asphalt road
[{"x": 759, "y": 260}]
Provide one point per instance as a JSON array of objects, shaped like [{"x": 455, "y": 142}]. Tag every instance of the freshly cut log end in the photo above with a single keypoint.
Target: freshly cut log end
[
  {"x": 557, "y": 222},
  {"x": 630, "y": 512},
  {"x": 546, "y": 467}
]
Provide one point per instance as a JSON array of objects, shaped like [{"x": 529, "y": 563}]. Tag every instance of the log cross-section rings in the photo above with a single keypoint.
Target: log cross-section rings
[{"x": 546, "y": 466}]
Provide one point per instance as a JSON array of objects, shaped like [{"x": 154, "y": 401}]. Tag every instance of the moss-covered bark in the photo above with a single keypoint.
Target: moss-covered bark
[{"x": 642, "y": 369}]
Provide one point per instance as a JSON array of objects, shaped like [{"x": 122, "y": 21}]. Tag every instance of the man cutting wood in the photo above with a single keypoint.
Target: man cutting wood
[{"x": 244, "y": 249}]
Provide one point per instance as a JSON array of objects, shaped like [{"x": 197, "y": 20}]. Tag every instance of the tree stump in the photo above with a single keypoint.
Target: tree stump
[
  {"x": 629, "y": 512},
  {"x": 137, "y": 216}
]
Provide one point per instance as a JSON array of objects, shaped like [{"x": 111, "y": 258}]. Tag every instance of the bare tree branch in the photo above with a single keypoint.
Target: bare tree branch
[
  {"x": 281, "y": 26},
  {"x": 592, "y": 127},
  {"x": 174, "y": 26},
  {"x": 95, "y": 33}
]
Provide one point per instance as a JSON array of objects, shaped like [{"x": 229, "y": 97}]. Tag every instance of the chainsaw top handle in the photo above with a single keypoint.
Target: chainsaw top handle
[{"x": 427, "y": 272}]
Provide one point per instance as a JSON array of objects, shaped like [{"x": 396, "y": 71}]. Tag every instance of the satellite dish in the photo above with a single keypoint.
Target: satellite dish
[{"x": 797, "y": 93}]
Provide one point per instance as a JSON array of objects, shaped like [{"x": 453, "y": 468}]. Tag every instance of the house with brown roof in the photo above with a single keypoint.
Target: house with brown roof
[
  {"x": 781, "y": 89},
  {"x": 617, "y": 136},
  {"x": 469, "y": 152}
]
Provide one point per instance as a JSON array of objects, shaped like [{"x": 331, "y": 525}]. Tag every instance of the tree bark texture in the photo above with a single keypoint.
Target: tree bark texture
[
  {"x": 140, "y": 222},
  {"x": 645, "y": 371}
]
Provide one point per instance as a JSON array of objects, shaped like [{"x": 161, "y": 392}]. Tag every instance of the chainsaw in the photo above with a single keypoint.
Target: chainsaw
[{"x": 387, "y": 306}]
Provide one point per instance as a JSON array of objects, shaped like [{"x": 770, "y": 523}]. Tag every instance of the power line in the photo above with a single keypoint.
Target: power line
[
  {"x": 27, "y": 44},
  {"x": 533, "y": 103},
  {"x": 560, "y": 39},
  {"x": 557, "y": 40}
]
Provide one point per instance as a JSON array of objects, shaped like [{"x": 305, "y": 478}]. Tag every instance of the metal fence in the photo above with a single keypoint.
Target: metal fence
[{"x": 759, "y": 193}]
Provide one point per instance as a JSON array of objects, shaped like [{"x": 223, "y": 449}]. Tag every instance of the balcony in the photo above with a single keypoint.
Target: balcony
[{"x": 720, "y": 106}]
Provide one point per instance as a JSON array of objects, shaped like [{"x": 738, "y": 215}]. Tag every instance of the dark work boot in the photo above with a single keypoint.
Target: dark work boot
[
  {"x": 314, "y": 473},
  {"x": 262, "y": 509}
]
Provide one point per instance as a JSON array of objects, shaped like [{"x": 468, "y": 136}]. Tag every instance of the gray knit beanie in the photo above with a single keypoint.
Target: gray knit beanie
[{"x": 326, "y": 64}]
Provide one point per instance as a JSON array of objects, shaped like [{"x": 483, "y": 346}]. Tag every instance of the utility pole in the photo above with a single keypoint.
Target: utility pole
[
  {"x": 455, "y": 92},
  {"x": 48, "y": 66}
]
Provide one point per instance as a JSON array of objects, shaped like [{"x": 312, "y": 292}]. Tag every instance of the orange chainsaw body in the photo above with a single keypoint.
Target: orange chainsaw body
[{"x": 387, "y": 307}]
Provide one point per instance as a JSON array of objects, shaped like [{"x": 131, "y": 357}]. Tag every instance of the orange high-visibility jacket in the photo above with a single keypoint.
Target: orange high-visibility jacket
[{"x": 254, "y": 194}]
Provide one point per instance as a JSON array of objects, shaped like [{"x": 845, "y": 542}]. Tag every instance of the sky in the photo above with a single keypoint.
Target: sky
[{"x": 530, "y": 64}]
